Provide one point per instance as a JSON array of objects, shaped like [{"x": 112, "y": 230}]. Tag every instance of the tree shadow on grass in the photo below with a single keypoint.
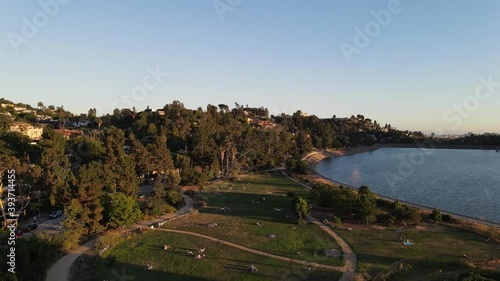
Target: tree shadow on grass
[
  {"x": 133, "y": 272},
  {"x": 242, "y": 269},
  {"x": 420, "y": 264},
  {"x": 239, "y": 203}
]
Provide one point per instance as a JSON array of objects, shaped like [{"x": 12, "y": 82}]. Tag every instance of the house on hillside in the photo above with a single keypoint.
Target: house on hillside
[
  {"x": 148, "y": 140},
  {"x": 83, "y": 123},
  {"x": 32, "y": 132},
  {"x": 67, "y": 133}
]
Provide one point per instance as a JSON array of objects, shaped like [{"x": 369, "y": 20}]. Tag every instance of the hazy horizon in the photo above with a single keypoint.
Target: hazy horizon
[{"x": 417, "y": 65}]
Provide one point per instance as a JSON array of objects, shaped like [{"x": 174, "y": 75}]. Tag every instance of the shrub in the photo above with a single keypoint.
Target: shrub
[
  {"x": 337, "y": 221},
  {"x": 405, "y": 214},
  {"x": 296, "y": 166},
  {"x": 157, "y": 206},
  {"x": 34, "y": 256},
  {"x": 436, "y": 215},
  {"x": 190, "y": 193},
  {"x": 448, "y": 219}
]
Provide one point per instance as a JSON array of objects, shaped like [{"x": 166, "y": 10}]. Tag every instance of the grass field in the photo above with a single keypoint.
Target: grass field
[
  {"x": 435, "y": 247},
  {"x": 239, "y": 226},
  {"x": 129, "y": 259}
]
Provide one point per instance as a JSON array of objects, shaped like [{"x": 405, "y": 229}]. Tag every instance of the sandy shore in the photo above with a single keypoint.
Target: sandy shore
[{"x": 315, "y": 157}]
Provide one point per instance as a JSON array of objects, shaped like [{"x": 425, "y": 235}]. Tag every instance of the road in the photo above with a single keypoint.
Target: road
[
  {"x": 146, "y": 189},
  {"x": 46, "y": 225},
  {"x": 53, "y": 226}
]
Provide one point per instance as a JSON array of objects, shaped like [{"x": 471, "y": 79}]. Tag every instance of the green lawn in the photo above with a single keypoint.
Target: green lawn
[
  {"x": 239, "y": 225},
  {"x": 435, "y": 248},
  {"x": 221, "y": 262}
]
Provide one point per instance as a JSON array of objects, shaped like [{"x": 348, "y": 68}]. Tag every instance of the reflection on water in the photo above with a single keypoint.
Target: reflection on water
[
  {"x": 356, "y": 177},
  {"x": 466, "y": 182}
]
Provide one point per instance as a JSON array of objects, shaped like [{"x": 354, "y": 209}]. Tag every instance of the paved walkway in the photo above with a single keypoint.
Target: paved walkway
[
  {"x": 60, "y": 270},
  {"x": 349, "y": 269},
  {"x": 316, "y": 265}
]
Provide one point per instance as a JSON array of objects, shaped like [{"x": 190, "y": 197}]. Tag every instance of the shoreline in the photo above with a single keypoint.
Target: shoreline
[
  {"x": 438, "y": 146},
  {"x": 314, "y": 158},
  {"x": 317, "y": 156}
]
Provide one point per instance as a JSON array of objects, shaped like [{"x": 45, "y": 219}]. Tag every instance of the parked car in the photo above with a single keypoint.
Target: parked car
[
  {"x": 30, "y": 227},
  {"x": 55, "y": 214}
]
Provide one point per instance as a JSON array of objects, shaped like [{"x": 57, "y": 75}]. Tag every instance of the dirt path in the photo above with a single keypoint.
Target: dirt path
[
  {"x": 60, "y": 270},
  {"x": 306, "y": 263},
  {"x": 349, "y": 269}
]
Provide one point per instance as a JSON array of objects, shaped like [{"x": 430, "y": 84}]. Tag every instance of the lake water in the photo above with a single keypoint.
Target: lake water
[{"x": 466, "y": 182}]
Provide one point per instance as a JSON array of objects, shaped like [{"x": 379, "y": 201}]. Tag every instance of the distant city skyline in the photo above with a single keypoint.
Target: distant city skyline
[{"x": 417, "y": 65}]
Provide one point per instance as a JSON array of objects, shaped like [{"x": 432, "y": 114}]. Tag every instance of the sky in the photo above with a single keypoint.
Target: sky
[{"x": 420, "y": 65}]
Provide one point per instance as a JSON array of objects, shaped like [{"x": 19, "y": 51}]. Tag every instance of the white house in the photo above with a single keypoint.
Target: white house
[{"x": 34, "y": 133}]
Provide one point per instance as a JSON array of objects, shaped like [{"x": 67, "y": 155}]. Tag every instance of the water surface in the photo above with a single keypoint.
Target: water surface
[{"x": 462, "y": 181}]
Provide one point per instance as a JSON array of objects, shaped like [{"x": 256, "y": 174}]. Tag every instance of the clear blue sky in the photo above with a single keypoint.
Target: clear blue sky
[{"x": 283, "y": 55}]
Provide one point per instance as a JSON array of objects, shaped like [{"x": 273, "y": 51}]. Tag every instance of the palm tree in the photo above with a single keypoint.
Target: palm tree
[
  {"x": 60, "y": 112},
  {"x": 99, "y": 123}
]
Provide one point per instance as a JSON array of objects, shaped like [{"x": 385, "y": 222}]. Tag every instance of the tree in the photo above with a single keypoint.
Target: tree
[
  {"x": 141, "y": 157},
  {"x": 119, "y": 167},
  {"x": 92, "y": 114},
  {"x": 120, "y": 210},
  {"x": 84, "y": 149},
  {"x": 88, "y": 191},
  {"x": 173, "y": 198},
  {"x": 304, "y": 143},
  {"x": 152, "y": 129},
  {"x": 75, "y": 228},
  {"x": 366, "y": 209},
  {"x": 162, "y": 161},
  {"x": 56, "y": 174},
  {"x": 436, "y": 215},
  {"x": 301, "y": 208},
  {"x": 365, "y": 190},
  {"x": 296, "y": 166}
]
